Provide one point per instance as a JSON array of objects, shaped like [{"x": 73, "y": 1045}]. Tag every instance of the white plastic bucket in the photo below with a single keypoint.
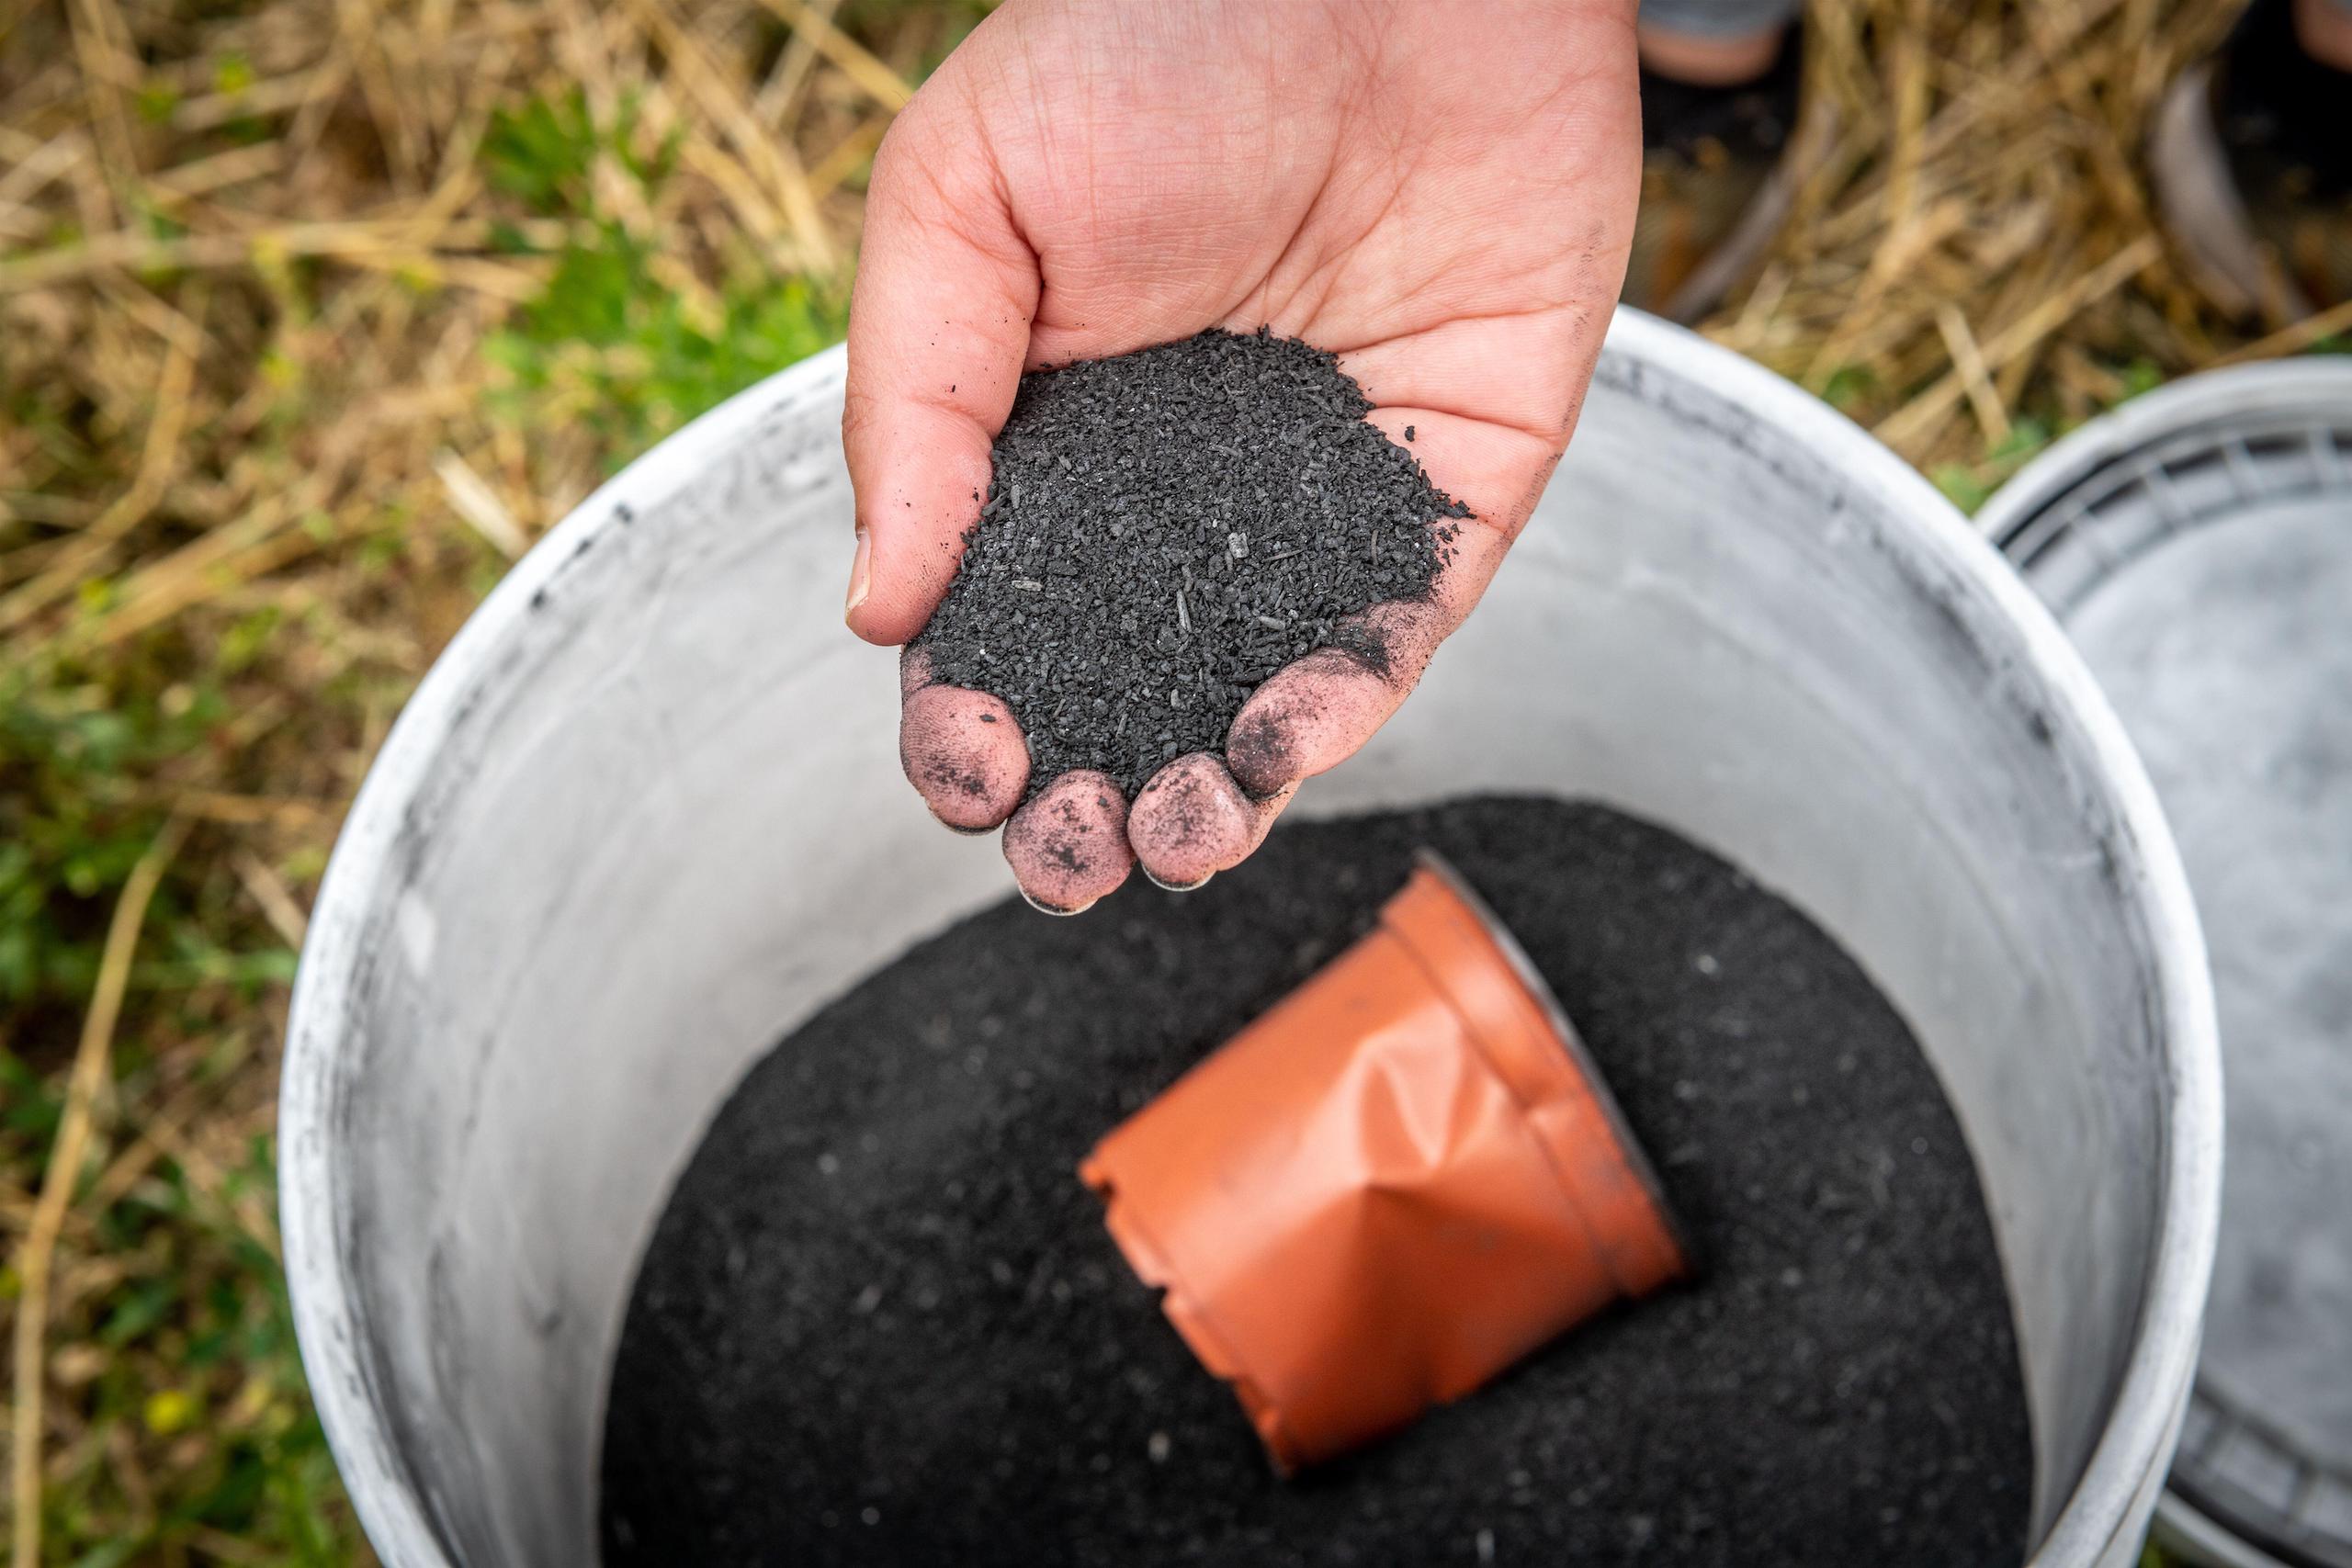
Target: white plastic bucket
[
  {"x": 645, "y": 814},
  {"x": 2197, "y": 544}
]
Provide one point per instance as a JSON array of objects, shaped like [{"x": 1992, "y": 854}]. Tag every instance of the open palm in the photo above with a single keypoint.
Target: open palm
[{"x": 1442, "y": 194}]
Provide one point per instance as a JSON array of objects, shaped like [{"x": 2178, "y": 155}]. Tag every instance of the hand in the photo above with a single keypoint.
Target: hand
[{"x": 1442, "y": 194}]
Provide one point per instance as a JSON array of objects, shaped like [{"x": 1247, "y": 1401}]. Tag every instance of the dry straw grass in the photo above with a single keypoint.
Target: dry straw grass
[
  {"x": 1975, "y": 263},
  {"x": 315, "y": 312},
  {"x": 259, "y": 455}
]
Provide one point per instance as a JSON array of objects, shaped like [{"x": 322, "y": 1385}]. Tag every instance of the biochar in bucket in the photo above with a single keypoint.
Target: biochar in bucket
[
  {"x": 1167, "y": 528},
  {"x": 880, "y": 1322}
]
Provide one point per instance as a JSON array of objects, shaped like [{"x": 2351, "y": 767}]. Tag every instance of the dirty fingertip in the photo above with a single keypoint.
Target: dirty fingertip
[
  {"x": 1069, "y": 846},
  {"x": 1262, "y": 750},
  {"x": 1308, "y": 717},
  {"x": 1192, "y": 821},
  {"x": 964, "y": 754}
]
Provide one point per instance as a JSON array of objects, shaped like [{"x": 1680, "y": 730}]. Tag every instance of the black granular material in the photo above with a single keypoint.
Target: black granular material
[
  {"x": 880, "y": 1320},
  {"x": 1165, "y": 530}
]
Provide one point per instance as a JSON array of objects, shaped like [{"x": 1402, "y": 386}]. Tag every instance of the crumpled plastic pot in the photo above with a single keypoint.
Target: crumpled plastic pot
[{"x": 1395, "y": 1183}]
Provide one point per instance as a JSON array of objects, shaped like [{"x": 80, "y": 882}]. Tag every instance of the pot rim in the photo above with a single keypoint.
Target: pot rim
[{"x": 1562, "y": 1038}]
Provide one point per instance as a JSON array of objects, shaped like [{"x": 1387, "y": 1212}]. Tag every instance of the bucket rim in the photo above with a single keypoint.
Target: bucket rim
[
  {"x": 313, "y": 1105},
  {"x": 2236, "y": 394}
]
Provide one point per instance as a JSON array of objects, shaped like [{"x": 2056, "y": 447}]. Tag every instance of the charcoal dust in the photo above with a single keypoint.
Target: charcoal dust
[
  {"x": 880, "y": 1320},
  {"x": 1167, "y": 528}
]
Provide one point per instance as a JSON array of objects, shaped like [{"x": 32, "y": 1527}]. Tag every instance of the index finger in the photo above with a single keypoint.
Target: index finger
[{"x": 939, "y": 322}]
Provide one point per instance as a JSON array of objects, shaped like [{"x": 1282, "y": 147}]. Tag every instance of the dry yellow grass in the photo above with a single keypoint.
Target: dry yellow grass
[
  {"x": 315, "y": 312},
  {"x": 312, "y": 314},
  {"x": 1976, "y": 261}
]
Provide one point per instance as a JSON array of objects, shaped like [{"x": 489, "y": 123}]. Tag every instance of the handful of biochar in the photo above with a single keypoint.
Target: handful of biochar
[{"x": 1167, "y": 529}]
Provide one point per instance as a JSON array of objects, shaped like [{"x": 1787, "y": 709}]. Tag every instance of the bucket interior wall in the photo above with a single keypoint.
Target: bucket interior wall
[{"x": 658, "y": 820}]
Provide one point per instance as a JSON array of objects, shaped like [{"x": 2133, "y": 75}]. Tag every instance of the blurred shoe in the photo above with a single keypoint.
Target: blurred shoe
[
  {"x": 1719, "y": 173},
  {"x": 2251, "y": 159}
]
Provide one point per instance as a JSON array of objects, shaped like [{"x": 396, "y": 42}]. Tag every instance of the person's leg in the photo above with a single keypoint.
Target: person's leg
[
  {"x": 1719, "y": 101},
  {"x": 2325, "y": 29},
  {"x": 1713, "y": 43},
  {"x": 2252, "y": 163}
]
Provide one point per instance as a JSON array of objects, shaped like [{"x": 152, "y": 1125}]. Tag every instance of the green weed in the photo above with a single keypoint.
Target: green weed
[
  {"x": 1849, "y": 387},
  {"x": 544, "y": 151},
  {"x": 184, "y": 1347},
  {"x": 75, "y": 746},
  {"x": 608, "y": 343},
  {"x": 1970, "y": 485}
]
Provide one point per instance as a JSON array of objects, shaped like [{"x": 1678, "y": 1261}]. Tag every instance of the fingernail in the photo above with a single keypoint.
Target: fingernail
[
  {"x": 1176, "y": 886},
  {"x": 1057, "y": 910},
  {"x": 861, "y": 572}
]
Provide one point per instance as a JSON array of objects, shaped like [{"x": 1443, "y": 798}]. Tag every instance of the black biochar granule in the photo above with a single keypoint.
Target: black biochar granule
[
  {"x": 880, "y": 1322},
  {"x": 1167, "y": 528}
]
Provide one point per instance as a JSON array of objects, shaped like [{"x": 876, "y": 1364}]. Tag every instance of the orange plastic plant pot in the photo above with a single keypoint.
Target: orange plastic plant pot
[{"x": 1399, "y": 1181}]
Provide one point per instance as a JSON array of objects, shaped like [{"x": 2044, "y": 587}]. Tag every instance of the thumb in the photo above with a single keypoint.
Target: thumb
[{"x": 938, "y": 326}]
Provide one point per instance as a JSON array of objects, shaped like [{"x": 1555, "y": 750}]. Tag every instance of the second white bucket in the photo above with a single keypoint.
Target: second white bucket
[{"x": 645, "y": 815}]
